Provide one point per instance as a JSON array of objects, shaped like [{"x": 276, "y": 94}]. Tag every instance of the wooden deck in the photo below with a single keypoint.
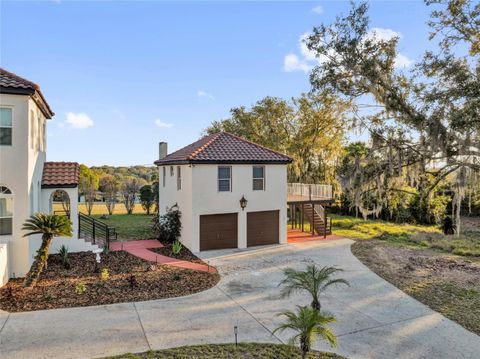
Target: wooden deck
[{"x": 297, "y": 236}]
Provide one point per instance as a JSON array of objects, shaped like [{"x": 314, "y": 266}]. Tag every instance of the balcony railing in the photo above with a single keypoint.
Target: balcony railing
[{"x": 311, "y": 191}]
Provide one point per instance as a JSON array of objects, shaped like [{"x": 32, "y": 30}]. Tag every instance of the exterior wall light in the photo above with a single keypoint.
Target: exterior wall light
[{"x": 243, "y": 202}]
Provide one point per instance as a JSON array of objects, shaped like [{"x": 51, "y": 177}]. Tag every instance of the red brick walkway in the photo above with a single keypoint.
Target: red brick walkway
[
  {"x": 297, "y": 236},
  {"x": 141, "y": 249}
]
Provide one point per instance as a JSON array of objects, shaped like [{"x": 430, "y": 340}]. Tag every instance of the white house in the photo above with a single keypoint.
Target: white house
[
  {"x": 232, "y": 193},
  {"x": 29, "y": 184}
]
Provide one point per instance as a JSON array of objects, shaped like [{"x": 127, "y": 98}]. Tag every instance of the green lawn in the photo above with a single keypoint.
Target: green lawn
[
  {"x": 130, "y": 226},
  {"x": 409, "y": 235},
  {"x": 230, "y": 351}
]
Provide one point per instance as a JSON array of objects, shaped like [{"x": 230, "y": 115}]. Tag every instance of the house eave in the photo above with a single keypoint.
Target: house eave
[
  {"x": 37, "y": 97},
  {"x": 220, "y": 162}
]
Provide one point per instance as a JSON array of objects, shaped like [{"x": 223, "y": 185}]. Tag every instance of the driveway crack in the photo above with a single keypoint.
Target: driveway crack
[
  {"x": 250, "y": 314},
  {"x": 141, "y": 326}
]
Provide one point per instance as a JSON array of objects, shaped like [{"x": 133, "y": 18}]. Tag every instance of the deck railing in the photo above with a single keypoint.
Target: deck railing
[{"x": 310, "y": 190}]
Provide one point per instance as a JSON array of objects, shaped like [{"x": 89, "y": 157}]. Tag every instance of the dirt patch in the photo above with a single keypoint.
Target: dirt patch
[
  {"x": 126, "y": 278},
  {"x": 448, "y": 284}
]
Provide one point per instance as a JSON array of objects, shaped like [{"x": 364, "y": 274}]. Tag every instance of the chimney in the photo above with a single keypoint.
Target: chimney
[{"x": 162, "y": 150}]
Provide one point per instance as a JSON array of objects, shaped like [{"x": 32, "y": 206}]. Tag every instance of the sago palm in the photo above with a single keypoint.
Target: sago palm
[
  {"x": 313, "y": 280},
  {"x": 48, "y": 226},
  {"x": 309, "y": 324}
]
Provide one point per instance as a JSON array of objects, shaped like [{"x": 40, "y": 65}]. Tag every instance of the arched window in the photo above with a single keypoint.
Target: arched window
[
  {"x": 6, "y": 211},
  {"x": 60, "y": 203}
]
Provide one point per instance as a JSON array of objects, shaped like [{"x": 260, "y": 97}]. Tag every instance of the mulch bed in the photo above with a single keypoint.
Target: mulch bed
[
  {"x": 130, "y": 279},
  {"x": 184, "y": 254}
]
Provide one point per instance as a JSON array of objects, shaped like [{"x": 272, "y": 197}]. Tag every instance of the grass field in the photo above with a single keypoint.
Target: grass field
[
  {"x": 230, "y": 351},
  {"x": 411, "y": 236},
  {"x": 130, "y": 226},
  {"x": 100, "y": 208}
]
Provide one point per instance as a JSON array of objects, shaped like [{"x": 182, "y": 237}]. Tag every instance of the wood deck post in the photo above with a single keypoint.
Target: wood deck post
[
  {"x": 303, "y": 217},
  {"x": 325, "y": 221},
  {"x": 313, "y": 219}
]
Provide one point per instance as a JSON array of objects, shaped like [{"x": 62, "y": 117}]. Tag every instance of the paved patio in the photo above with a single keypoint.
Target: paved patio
[{"x": 375, "y": 320}]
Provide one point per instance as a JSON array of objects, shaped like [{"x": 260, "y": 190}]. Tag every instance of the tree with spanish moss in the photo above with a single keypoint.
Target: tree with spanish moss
[{"x": 424, "y": 124}]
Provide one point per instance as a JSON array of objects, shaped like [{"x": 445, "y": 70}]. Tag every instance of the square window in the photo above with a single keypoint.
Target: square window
[{"x": 5, "y": 136}]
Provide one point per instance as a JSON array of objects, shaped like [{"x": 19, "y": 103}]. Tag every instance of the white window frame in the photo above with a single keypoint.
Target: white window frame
[
  {"x": 224, "y": 179},
  {"x": 11, "y": 126},
  {"x": 179, "y": 178},
  {"x": 8, "y": 196},
  {"x": 258, "y": 178}
]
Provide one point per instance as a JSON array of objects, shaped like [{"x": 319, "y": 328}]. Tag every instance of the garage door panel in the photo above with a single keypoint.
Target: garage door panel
[
  {"x": 262, "y": 228},
  {"x": 218, "y": 231}
]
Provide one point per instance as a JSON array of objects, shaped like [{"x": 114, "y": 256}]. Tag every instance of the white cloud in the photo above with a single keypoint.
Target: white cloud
[
  {"x": 308, "y": 59},
  {"x": 382, "y": 34},
  {"x": 318, "y": 9},
  {"x": 402, "y": 61},
  {"x": 78, "y": 120},
  {"x": 162, "y": 124},
  {"x": 291, "y": 63},
  {"x": 201, "y": 93}
]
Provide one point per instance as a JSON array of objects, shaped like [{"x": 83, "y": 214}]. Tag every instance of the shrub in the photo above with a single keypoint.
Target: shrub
[
  {"x": 176, "y": 247},
  {"x": 105, "y": 275},
  {"x": 63, "y": 252},
  {"x": 80, "y": 288},
  {"x": 168, "y": 226}
]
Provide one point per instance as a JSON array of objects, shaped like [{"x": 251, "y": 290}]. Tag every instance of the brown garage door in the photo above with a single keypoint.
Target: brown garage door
[
  {"x": 218, "y": 231},
  {"x": 262, "y": 228}
]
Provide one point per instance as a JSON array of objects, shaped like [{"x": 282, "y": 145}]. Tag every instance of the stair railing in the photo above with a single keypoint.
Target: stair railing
[{"x": 99, "y": 233}]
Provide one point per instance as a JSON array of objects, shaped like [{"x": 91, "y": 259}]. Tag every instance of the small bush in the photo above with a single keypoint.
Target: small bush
[
  {"x": 63, "y": 252},
  {"x": 80, "y": 288},
  {"x": 105, "y": 274},
  {"x": 176, "y": 247},
  {"x": 168, "y": 225}
]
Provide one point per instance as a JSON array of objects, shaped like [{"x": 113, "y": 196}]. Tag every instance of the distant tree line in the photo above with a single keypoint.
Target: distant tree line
[{"x": 119, "y": 185}]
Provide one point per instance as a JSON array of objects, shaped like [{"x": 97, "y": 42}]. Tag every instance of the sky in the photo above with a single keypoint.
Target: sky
[{"x": 123, "y": 76}]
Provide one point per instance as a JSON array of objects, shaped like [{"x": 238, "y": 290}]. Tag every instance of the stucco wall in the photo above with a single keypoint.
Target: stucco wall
[
  {"x": 3, "y": 264},
  {"x": 169, "y": 195},
  {"x": 21, "y": 166},
  {"x": 207, "y": 200},
  {"x": 199, "y": 195}
]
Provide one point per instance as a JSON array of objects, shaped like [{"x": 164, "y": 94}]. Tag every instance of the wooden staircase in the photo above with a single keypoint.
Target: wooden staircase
[{"x": 321, "y": 228}]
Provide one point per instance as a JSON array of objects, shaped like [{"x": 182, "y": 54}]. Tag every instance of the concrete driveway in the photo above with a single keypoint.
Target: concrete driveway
[{"x": 375, "y": 320}]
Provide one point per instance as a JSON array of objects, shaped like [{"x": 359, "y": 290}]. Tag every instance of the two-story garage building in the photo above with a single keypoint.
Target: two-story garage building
[{"x": 232, "y": 193}]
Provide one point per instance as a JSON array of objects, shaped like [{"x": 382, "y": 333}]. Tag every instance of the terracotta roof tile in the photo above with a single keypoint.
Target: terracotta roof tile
[
  {"x": 224, "y": 147},
  {"x": 14, "y": 84},
  {"x": 60, "y": 174}
]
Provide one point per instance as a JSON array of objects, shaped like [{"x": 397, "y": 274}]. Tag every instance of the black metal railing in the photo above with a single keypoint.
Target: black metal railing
[{"x": 95, "y": 231}]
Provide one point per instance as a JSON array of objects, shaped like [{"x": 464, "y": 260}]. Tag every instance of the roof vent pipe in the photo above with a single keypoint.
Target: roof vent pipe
[{"x": 162, "y": 150}]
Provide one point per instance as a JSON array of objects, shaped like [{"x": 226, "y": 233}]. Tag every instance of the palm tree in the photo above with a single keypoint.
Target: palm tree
[
  {"x": 309, "y": 324},
  {"x": 314, "y": 280},
  {"x": 48, "y": 226}
]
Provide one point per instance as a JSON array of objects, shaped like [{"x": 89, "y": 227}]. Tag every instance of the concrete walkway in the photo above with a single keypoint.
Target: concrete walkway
[
  {"x": 375, "y": 320},
  {"x": 141, "y": 249}
]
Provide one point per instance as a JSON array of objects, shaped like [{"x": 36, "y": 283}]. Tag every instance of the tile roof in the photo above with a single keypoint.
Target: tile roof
[
  {"x": 223, "y": 147},
  {"x": 11, "y": 83},
  {"x": 60, "y": 174}
]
